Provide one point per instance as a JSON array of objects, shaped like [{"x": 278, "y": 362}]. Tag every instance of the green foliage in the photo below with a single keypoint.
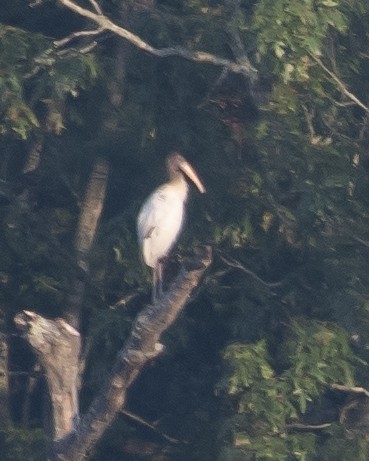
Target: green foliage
[
  {"x": 31, "y": 73},
  {"x": 314, "y": 355},
  {"x": 293, "y": 30},
  {"x": 337, "y": 446},
  {"x": 15, "y": 52}
]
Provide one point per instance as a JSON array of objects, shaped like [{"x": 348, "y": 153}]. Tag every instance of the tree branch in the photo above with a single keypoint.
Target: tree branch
[
  {"x": 104, "y": 23},
  {"x": 141, "y": 347},
  {"x": 150, "y": 426},
  {"x": 350, "y": 389},
  {"x": 340, "y": 84},
  {"x": 237, "y": 265},
  {"x": 57, "y": 346},
  {"x": 88, "y": 221},
  {"x": 96, "y": 6},
  {"x": 51, "y": 338},
  {"x": 73, "y": 35},
  {"x": 235, "y": 43},
  {"x": 307, "y": 427}
]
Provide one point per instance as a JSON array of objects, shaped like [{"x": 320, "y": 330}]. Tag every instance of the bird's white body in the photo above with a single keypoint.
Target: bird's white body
[
  {"x": 160, "y": 221},
  {"x": 161, "y": 217}
]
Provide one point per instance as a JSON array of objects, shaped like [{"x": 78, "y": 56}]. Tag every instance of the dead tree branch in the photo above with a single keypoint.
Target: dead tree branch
[
  {"x": 74, "y": 35},
  {"x": 233, "y": 10},
  {"x": 307, "y": 427},
  {"x": 103, "y": 23},
  {"x": 52, "y": 341},
  {"x": 350, "y": 389},
  {"x": 237, "y": 265},
  {"x": 57, "y": 346},
  {"x": 340, "y": 84},
  {"x": 141, "y": 421}
]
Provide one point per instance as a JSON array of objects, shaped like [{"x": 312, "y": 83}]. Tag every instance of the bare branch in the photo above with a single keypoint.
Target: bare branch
[
  {"x": 237, "y": 265},
  {"x": 340, "y": 84},
  {"x": 36, "y": 3},
  {"x": 139, "y": 420},
  {"x": 96, "y": 6},
  {"x": 72, "y": 36},
  {"x": 307, "y": 427},
  {"x": 363, "y": 242},
  {"x": 123, "y": 302},
  {"x": 142, "y": 346},
  {"x": 351, "y": 389},
  {"x": 236, "y": 44},
  {"x": 57, "y": 345},
  {"x": 104, "y": 23}
]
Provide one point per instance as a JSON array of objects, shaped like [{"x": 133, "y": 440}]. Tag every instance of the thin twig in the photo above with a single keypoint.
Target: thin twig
[
  {"x": 340, "y": 84},
  {"x": 71, "y": 52},
  {"x": 350, "y": 389},
  {"x": 237, "y": 265},
  {"x": 96, "y": 6},
  {"x": 363, "y": 242},
  {"x": 307, "y": 427},
  {"x": 123, "y": 302},
  {"x": 139, "y": 420},
  {"x": 36, "y": 3},
  {"x": 72, "y": 36},
  {"x": 235, "y": 41}
]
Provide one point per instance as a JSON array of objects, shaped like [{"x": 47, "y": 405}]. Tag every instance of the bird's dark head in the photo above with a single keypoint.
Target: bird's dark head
[
  {"x": 177, "y": 164},
  {"x": 174, "y": 161}
]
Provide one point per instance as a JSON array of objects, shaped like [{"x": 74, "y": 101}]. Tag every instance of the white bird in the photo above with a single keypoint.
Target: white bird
[{"x": 161, "y": 216}]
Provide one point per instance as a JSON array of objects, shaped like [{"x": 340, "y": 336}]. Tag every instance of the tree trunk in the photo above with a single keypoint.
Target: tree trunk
[
  {"x": 89, "y": 218},
  {"x": 57, "y": 345},
  {"x": 4, "y": 385}
]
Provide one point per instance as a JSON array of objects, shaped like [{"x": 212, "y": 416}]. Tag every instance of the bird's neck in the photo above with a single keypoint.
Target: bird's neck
[{"x": 179, "y": 183}]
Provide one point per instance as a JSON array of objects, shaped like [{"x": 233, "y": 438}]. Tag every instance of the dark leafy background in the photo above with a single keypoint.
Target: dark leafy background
[{"x": 282, "y": 317}]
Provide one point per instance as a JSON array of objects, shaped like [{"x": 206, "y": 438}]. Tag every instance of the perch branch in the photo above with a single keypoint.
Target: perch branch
[
  {"x": 52, "y": 341},
  {"x": 141, "y": 347}
]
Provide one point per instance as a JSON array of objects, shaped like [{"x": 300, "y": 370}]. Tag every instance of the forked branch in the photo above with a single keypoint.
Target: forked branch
[
  {"x": 103, "y": 23},
  {"x": 73, "y": 441}
]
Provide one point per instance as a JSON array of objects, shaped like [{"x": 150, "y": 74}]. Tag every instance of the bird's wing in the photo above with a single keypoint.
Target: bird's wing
[
  {"x": 150, "y": 215},
  {"x": 158, "y": 224}
]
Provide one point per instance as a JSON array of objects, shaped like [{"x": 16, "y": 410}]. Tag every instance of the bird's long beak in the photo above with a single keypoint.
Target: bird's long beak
[{"x": 190, "y": 172}]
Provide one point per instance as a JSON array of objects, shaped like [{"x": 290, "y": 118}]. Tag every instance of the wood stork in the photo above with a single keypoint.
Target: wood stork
[{"x": 160, "y": 219}]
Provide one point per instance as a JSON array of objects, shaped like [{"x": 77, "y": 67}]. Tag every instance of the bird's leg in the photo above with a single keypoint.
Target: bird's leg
[
  {"x": 157, "y": 282},
  {"x": 154, "y": 284},
  {"x": 160, "y": 278}
]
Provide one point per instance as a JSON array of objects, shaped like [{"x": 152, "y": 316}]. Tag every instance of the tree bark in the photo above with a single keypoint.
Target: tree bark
[
  {"x": 57, "y": 345},
  {"x": 4, "y": 385},
  {"x": 89, "y": 218}
]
